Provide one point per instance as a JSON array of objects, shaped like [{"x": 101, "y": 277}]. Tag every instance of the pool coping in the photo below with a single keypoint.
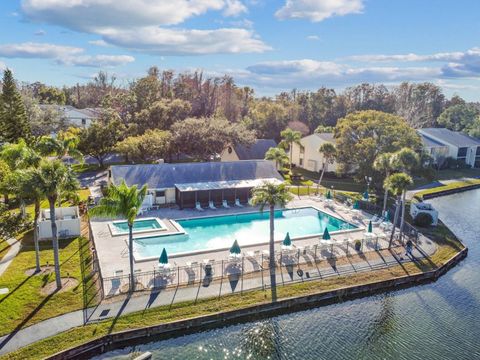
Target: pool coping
[
  {"x": 116, "y": 233},
  {"x": 214, "y": 250}
]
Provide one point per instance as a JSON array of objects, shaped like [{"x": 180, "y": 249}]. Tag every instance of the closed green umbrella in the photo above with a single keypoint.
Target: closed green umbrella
[
  {"x": 366, "y": 195},
  {"x": 386, "y": 217},
  {"x": 326, "y": 235},
  {"x": 287, "y": 241},
  {"x": 329, "y": 195},
  {"x": 370, "y": 228},
  {"x": 164, "y": 257},
  {"x": 235, "y": 249},
  {"x": 356, "y": 205}
]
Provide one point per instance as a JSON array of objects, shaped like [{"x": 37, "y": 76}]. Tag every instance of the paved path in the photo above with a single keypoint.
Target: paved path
[
  {"x": 10, "y": 255},
  {"x": 201, "y": 290}
]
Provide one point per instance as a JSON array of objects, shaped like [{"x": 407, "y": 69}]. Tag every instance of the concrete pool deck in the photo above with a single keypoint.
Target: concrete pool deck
[{"x": 112, "y": 251}]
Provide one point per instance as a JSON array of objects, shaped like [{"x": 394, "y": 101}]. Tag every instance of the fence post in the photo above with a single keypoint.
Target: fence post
[
  {"x": 315, "y": 254},
  {"x": 154, "y": 278},
  {"x": 261, "y": 268},
  {"x": 178, "y": 276},
  {"x": 241, "y": 289}
]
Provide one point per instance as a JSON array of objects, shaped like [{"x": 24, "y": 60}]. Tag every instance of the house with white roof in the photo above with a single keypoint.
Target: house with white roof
[
  {"x": 442, "y": 143},
  {"x": 76, "y": 117},
  {"x": 307, "y": 156}
]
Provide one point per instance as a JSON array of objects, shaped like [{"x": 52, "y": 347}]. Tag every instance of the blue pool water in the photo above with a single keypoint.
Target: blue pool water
[
  {"x": 221, "y": 231},
  {"x": 121, "y": 227}
]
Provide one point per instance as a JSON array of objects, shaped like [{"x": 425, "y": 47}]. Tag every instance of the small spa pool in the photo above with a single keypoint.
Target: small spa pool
[
  {"x": 120, "y": 227},
  {"x": 219, "y": 232}
]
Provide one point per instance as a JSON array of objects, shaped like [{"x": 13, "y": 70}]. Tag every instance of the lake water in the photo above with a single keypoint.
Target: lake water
[{"x": 433, "y": 321}]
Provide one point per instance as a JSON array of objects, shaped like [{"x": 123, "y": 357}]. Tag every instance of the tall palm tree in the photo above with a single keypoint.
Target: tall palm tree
[
  {"x": 384, "y": 164},
  {"x": 55, "y": 177},
  {"x": 397, "y": 183},
  {"x": 60, "y": 147},
  {"x": 290, "y": 137},
  {"x": 406, "y": 160},
  {"x": 329, "y": 153},
  {"x": 270, "y": 194},
  {"x": 25, "y": 184},
  {"x": 122, "y": 201},
  {"x": 278, "y": 155}
]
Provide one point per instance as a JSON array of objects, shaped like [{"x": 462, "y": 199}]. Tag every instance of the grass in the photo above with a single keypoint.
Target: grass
[
  {"x": 25, "y": 304},
  {"x": 448, "y": 246},
  {"x": 339, "y": 183},
  {"x": 448, "y": 174},
  {"x": 4, "y": 246},
  {"x": 450, "y": 186}
]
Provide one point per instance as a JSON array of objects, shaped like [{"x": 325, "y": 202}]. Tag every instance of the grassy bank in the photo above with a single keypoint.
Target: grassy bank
[
  {"x": 4, "y": 246},
  {"x": 448, "y": 246},
  {"x": 26, "y": 303},
  {"x": 451, "y": 186}
]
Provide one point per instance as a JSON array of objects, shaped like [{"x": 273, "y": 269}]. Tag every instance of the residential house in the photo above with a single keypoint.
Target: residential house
[
  {"x": 307, "y": 156},
  {"x": 255, "y": 151},
  {"x": 185, "y": 184},
  {"x": 441, "y": 143},
  {"x": 67, "y": 220},
  {"x": 76, "y": 117}
]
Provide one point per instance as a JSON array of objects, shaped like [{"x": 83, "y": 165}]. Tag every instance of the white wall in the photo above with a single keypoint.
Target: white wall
[
  {"x": 71, "y": 226},
  {"x": 312, "y": 158},
  {"x": 226, "y": 156}
]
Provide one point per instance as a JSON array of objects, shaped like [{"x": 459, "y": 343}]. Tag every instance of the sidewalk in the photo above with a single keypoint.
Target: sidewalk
[
  {"x": 10, "y": 255},
  {"x": 204, "y": 289}
]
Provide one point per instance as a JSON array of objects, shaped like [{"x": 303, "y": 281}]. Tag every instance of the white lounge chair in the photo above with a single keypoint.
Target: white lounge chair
[
  {"x": 211, "y": 205},
  {"x": 237, "y": 202},
  {"x": 198, "y": 206},
  {"x": 225, "y": 204}
]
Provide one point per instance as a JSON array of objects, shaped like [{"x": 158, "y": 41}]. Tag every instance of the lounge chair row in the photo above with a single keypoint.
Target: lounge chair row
[{"x": 225, "y": 205}]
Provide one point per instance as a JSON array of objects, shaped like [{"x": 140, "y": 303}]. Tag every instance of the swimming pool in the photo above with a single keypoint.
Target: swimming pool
[
  {"x": 219, "y": 232},
  {"x": 120, "y": 227}
]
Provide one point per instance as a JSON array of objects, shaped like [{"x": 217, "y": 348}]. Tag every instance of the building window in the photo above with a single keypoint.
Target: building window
[
  {"x": 462, "y": 152},
  {"x": 229, "y": 150},
  {"x": 84, "y": 122},
  {"x": 302, "y": 149},
  {"x": 160, "y": 193},
  {"x": 478, "y": 151},
  {"x": 301, "y": 162}
]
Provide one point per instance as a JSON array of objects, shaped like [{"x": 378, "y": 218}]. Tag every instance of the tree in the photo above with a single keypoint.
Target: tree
[
  {"x": 204, "y": 138},
  {"x": 54, "y": 177},
  {"x": 406, "y": 160},
  {"x": 162, "y": 114},
  {"x": 65, "y": 144},
  {"x": 4, "y": 174},
  {"x": 362, "y": 136},
  {"x": 153, "y": 145},
  {"x": 459, "y": 117},
  {"x": 271, "y": 195},
  {"x": 267, "y": 118},
  {"x": 397, "y": 183},
  {"x": 51, "y": 95},
  {"x": 13, "y": 117},
  {"x": 329, "y": 153},
  {"x": 290, "y": 137},
  {"x": 122, "y": 201},
  {"x": 278, "y": 155},
  {"x": 384, "y": 164},
  {"x": 100, "y": 138},
  {"x": 419, "y": 104}
]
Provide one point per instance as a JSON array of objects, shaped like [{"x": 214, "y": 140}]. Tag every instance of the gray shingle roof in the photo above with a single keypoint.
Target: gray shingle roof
[
  {"x": 326, "y": 136},
  {"x": 451, "y": 137},
  {"x": 256, "y": 151},
  {"x": 158, "y": 176},
  {"x": 428, "y": 141}
]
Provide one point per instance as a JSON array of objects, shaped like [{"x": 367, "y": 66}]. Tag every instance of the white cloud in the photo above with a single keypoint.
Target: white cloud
[
  {"x": 99, "y": 61},
  {"x": 37, "y": 50},
  {"x": 40, "y": 33},
  {"x": 66, "y": 55},
  {"x": 234, "y": 8},
  {"x": 99, "y": 43},
  {"x": 185, "y": 42},
  {"x": 313, "y": 37},
  {"x": 318, "y": 10},
  {"x": 452, "y": 56}
]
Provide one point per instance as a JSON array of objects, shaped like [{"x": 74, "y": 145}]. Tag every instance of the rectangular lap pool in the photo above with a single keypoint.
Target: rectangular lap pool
[
  {"x": 219, "y": 232},
  {"x": 120, "y": 227}
]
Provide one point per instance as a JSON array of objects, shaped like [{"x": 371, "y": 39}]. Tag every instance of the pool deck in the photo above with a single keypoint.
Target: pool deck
[{"x": 112, "y": 251}]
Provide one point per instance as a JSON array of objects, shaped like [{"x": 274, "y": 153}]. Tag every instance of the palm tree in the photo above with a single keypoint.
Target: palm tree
[
  {"x": 122, "y": 201},
  {"x": 329, "y": 153},
  {"x": 26, "y": 185},
  {"x": 397, "y": 184},
  {"x": 278, "y": 155},
  {"x": 63, "y": 145},
  {"x": 290, "y": 137},
  {"x": 55, "y": 177},
  {"x": 406, "y": 160},
  {"x": 270, "y": 194},
  {"x": 384, "y": 164}
]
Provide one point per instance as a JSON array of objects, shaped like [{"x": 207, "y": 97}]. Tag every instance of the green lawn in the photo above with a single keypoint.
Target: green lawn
[
  {"x": 448, "y": 174},
  {"x": 4, "y": 246},
  {"x": 343, "y": 184},
  {"x": 448, "y": 246},
  {"x": 450, "y": 186},
  {"x": 25, "y": 304}
]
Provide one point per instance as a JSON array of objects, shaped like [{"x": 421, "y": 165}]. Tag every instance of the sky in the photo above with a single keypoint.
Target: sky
[{"x": 270, "y": 45}]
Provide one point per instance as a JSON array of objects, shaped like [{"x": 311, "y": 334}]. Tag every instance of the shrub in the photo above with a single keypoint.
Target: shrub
[
  {"x": 423, "y": 219},
  {"x": 358, "y": 245}
]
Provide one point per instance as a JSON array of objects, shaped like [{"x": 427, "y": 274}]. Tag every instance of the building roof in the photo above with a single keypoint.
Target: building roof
[
  {"x": 255, "y": 151},
  {"x": 326, "y": 136},
  {"x": 229, "y": 184},
  {"x": 72, "y": 112},
  {"x": 429, "y": 142},
  {"x": 450, "y": 137},
  {"x": 160, "y": 176}
]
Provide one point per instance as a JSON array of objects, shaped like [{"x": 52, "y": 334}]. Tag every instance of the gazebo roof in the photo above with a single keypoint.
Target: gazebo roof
[{"x": 229, "y": 184}]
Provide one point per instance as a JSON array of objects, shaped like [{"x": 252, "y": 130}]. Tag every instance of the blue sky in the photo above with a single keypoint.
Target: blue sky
[{"x": 271, "y": 45}]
